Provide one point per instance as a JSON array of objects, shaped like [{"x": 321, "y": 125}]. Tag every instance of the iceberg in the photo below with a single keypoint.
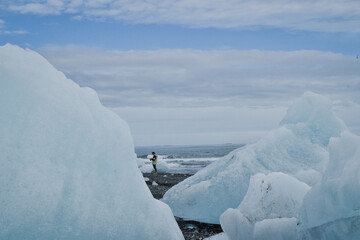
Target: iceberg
[
  {"x": 68, "y": 167},
  {"x": 269, "y": 210},
  {"x": 275, "y": 195},
  {"x": 297, "y": 148},
  {"x": 331, "y": 209}
]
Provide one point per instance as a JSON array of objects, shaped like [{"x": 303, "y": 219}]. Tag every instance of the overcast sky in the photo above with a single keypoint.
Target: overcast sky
[{"x": 198, "y": 71}]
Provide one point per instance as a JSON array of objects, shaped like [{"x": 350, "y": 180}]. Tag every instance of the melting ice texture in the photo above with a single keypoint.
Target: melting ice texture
[
  {"x": 298, "y": 148},
  {"x": 68, "y": 167}
]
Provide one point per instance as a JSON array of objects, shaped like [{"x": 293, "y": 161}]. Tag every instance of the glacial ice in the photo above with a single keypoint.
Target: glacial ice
[
  {"x": 275, "y": 195},
  {"x": 329, "y": 210},
  {"x": 297, "y": 148},
  {"x": 270, "y": 205},
  {"x": 67, "y": 164}
]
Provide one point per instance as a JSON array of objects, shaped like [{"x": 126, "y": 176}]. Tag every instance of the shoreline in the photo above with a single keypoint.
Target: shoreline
[{"x": 192, "y": 230}]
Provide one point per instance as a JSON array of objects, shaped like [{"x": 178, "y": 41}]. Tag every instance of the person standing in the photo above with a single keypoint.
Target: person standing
[{"x": 154, "y": 161}]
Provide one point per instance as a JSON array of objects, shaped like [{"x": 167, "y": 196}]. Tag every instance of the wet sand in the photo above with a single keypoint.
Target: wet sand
[{"x": 191, "y": 230}]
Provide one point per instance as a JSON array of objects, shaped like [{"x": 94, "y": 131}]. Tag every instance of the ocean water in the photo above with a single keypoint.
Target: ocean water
[{"x": 187, "y": 159}]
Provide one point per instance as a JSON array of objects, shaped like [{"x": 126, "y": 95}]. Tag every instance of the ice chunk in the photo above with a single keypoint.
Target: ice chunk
[
  {"x": 297, "y": 147},
  {"x": 236, "y": 225},
  {"x": 312, "y": 117},
  {"x": 68, "y": 168},
  {"x": 269, "y": 209},
  {"x": 269, "y": 229},
  {"x": 220, "y": 236},
  {"x": 275, "y": 195},
  {"x": 275, "y": 229},
  {"x": 330, "y": 209},
  {"x": 344, "y": 228},
  {"x": 337, "y": 196}
]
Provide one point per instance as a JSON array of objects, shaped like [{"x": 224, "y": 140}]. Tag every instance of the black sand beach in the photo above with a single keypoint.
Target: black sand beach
[{"x": 191, "y": 230}]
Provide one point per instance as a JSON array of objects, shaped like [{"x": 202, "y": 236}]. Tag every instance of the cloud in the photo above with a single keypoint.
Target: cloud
[
  {"x": 50, "y": 7},
  {"x": 318, "y": 15},
  {"x": 16, "y": 32},
  {"x": 205, "y": 97},
  {"x": 8, "y": 32},
  {"x": 188, "y": 78}
]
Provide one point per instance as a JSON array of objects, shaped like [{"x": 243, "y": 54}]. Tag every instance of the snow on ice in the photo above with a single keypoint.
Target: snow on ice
[{"x": 68, "y": 167}]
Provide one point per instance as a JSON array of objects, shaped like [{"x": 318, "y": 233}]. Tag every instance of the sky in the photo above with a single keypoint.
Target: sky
[{"x": 194, "y": 72}]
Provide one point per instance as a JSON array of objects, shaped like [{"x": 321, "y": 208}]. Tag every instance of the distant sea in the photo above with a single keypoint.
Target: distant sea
[{"x": 187, "y": 159}]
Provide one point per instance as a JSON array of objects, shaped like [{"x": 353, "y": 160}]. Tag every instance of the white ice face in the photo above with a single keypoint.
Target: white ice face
[{"x": 68, "y": 167}]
